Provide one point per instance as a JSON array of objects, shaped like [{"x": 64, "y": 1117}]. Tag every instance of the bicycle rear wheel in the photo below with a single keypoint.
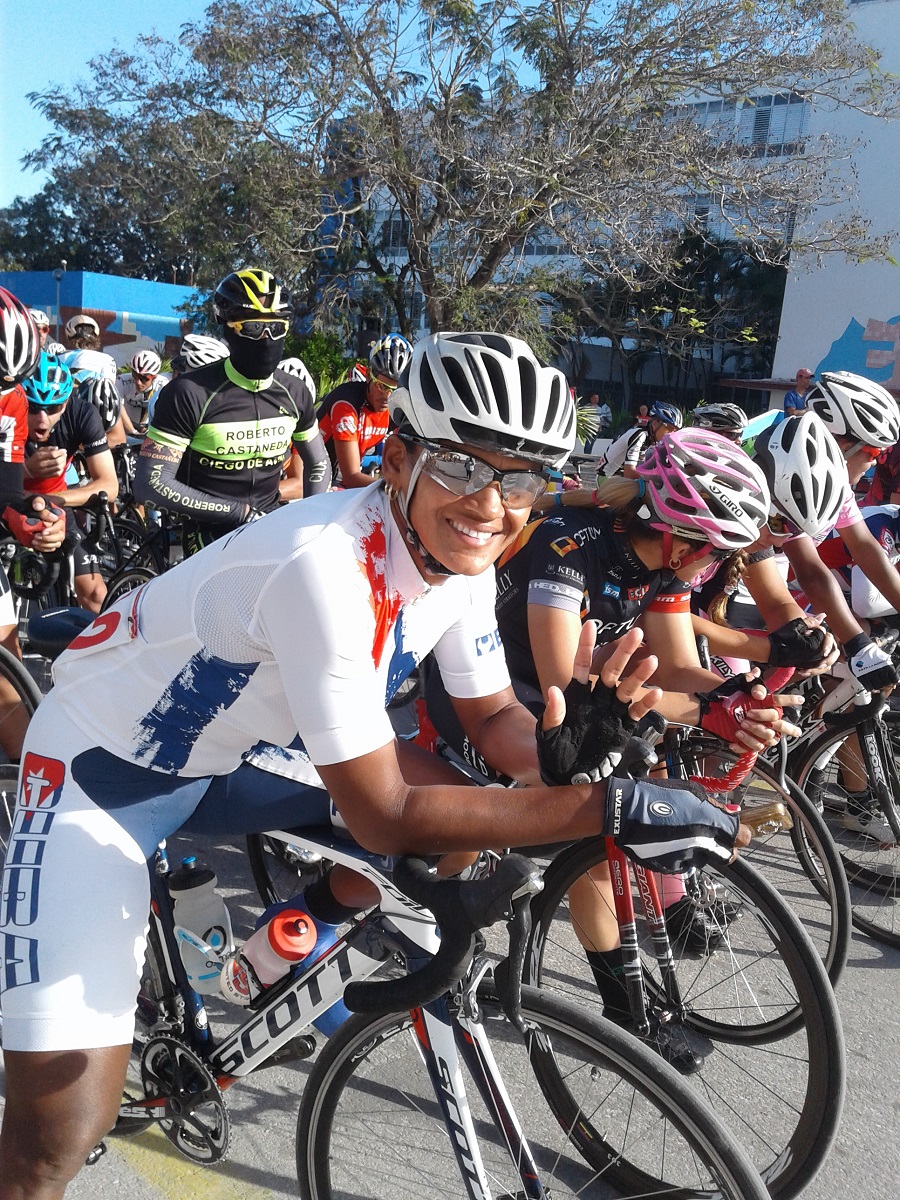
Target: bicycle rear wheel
[
  {"x": 370, "y": 1126},
  {"x": 760, "y": 1013},
  {"x": 872, "y": 866},
  {"x": 126, "y": 581}
]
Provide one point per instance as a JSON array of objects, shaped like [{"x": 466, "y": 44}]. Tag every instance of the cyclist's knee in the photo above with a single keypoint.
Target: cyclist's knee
[
  {"x": 90, "y": 590},
  {"x": 58, "y": 1107}
]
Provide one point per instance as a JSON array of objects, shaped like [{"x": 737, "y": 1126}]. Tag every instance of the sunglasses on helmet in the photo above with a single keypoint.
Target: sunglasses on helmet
[
  {"x": 256, "y": 329},
  {"x": 464, "y": 475}
]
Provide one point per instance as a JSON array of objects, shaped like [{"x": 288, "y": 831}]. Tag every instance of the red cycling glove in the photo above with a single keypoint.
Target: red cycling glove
[
  {"x": 722, "y": 710},
  {"x": 24, "y": 523}
]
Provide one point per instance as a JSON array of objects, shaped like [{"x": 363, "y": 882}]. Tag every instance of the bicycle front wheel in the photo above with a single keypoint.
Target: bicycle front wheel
[
  {"x": 370, "y": 1125},
  {"x": 759, "y": 1011},
  {"x": 872, "y": 864}
]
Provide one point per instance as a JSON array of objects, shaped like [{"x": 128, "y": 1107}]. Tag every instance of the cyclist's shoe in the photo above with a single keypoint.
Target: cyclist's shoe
[
  {"x": 672, "y": 1045},
  {"x": 863, "y": 816},
  {"x": 825, "y": 793},
  {"x": 698, "y": 928}
]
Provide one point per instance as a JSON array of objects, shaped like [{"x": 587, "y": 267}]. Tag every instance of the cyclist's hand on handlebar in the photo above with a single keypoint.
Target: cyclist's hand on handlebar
[
  {"x": 870, "y": 664},
  {"x": 804, "y": 643},
  {"x": 584, "y": 730},
  {"x": 36, "y": 521},
  {"x": 742, "y": 713},
  {"x": 669, "y": 825}
]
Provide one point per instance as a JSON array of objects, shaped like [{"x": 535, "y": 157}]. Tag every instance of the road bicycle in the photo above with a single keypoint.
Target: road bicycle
[
  {"x": 757, "y": 1010},
  {"x": 453, "y": 1080}
]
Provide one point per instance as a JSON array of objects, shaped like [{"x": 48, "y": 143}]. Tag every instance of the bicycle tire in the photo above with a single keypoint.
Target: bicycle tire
[
  {"x": 779, "y": 1081},
  {"x": 277, "y": 873},
  {"x": 23, "y": 699},
  {"x": 803, "y": 864},
  {"x": 364, "y": 1067},
  {"x": 124, "y": 582},
  {"x": 872, "y": 868},
  {"x": 138, "y": 545}
]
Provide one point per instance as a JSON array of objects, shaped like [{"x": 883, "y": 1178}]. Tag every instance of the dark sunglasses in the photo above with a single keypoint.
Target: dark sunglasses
[
  {"x": 256, "y": 330},
  {"x": 464, "y": 475},
  {"x": 781, "y": 526},
  {"x": 50, "y": 409},
  {"x": 141, "y": 378}
]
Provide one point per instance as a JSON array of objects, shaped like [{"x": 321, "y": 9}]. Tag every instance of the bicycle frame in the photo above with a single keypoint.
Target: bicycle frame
[{"x": 448, "y": 1031}]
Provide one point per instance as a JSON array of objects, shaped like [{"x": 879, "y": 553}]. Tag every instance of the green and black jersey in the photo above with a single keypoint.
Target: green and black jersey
[{"x": 232, "y": 434}]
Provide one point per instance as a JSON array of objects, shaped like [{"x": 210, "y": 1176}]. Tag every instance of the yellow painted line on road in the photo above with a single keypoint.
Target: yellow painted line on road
[{"x": 158, "y": 1163}]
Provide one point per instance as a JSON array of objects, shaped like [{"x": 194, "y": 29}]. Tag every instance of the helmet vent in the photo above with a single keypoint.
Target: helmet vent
[
  {"x": 552, "y": 416},
  {"x": 498, "y": 401},
  {"x": 460, "y": 381},
  {"x": 528, "y": 390},
  {"x": 431, "y": 393}
]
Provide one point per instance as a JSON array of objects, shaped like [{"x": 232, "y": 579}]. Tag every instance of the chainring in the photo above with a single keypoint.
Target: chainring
[{"x": 196, "y": 1119}]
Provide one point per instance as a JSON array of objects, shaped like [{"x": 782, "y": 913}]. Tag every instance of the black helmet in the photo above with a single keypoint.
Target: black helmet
[{"x": 250, "y": 293}]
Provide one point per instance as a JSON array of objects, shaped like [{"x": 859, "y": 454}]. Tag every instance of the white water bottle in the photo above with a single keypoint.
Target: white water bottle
[{"x": 202, "y": 924}]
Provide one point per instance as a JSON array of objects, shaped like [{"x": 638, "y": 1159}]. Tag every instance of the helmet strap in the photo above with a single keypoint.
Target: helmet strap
[{"x": 402, "y": 498}]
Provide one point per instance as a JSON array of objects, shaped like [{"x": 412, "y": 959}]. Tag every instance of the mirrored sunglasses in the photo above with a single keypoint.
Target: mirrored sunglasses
[
  {"x": 464, "y": 475},
  {"x": 256, "y": 329},
  {"x": 781, "y": 526}
]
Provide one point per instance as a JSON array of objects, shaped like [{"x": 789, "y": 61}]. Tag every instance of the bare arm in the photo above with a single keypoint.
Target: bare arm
[
  {"x": 731, "y": 643},
  {"x": 773, "y": 599},
  {"x": 350, "y": 463},
  {"x": 821, "y": 588},
  {"x": 102, "y": 471}
]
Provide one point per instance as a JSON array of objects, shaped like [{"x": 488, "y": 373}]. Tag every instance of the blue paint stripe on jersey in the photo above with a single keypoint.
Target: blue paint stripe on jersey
[
  {"x": 205, "y": 687},
  {"x": 402, "y": 664}
]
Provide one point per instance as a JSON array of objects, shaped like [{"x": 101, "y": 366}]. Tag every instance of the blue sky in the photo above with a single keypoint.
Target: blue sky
[{"x": 51, "y": 42}]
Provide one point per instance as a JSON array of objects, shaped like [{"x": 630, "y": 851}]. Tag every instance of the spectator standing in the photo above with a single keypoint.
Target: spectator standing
[
  {"x": 42, "y": 321},
  {"x": 795, "y": 400}
]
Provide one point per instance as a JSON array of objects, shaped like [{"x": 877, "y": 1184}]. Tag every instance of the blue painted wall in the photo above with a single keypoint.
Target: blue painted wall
[{"x": 132, "y": 314}]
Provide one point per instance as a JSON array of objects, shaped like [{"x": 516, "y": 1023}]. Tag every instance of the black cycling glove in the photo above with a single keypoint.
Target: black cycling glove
[
  {"x": 869, "y": 663},
  {"x": 797, "y": 644},
  {"x": 588, "y": 745},
  {"x": 668, "y": 825}
]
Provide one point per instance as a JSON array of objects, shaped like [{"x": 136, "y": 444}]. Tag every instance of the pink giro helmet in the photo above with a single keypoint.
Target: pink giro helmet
[{"x": 702, "y": 486}]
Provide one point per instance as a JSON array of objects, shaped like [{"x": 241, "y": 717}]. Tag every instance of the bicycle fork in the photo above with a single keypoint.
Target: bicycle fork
[
  {"x": 653, "y": 911},
  {"x": 444, "y": 1043}
]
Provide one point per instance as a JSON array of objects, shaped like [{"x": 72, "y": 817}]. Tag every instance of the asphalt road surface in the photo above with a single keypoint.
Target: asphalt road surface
[{"x": 260, "y": 1165}]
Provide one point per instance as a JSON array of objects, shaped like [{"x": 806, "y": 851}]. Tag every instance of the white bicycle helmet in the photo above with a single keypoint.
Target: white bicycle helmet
[
  {"x": 146, "y": 362},
  {"x": 700, "y": 485},
  {"x": 103, "y": 395},
  {"x": 727, "y": 419},
  {"x": 40, "y": 317},
  {"x": 488, "y": 390},
  {"x": 199, "y": 350},
  {"x": 805, "y": 470},
  {"x": 56, "y": 348},
  {"x": 20, "y": 342},
  {"x": 298, "y": 368},
  {"x": 855, "y": 407},
  {"x": 78, "y": 321},
  {"x": 390, "y": 356}
]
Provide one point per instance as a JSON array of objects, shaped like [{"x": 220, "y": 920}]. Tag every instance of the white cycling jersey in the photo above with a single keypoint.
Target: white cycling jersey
[
  {"x": 90, "y": 364},
  {"x": 305, "y": 622}
]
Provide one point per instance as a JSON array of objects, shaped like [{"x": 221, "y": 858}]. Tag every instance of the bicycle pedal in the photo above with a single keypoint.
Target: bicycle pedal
[{"x": 96, "y": 1154}]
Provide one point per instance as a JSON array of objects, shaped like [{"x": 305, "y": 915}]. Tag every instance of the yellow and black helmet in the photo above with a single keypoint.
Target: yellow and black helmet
[{"x": 250, "y": 293}]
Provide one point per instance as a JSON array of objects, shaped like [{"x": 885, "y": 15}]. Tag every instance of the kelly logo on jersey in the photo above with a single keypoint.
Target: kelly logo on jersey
[{"x": 563, "y": 546}]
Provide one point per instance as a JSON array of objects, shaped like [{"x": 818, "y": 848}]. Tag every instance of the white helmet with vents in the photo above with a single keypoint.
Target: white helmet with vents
[
  {"x": 199, "y": 350},
  {"x": 81, "y": 321},
  {"x": 146, "y": 362},
  {"x": 298, "y": 368},
  {"x": 805, "y": 470},
  {"x": 488, "y": 390},
  {"x": 855, "y": 407}
]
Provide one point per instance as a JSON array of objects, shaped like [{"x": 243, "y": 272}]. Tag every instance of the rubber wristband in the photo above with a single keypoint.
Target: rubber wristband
[{"x": 557, "y": 500}]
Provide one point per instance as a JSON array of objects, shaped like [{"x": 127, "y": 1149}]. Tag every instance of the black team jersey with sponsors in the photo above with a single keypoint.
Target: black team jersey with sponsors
[
  {"x": 582, "y": 561},
  {"x": 233, "y": 440}
]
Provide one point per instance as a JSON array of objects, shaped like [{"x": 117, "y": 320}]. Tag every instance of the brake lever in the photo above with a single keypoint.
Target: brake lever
[{"x": 508, "y": 973}]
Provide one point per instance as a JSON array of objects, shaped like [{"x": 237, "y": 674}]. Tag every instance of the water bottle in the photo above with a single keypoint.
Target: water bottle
[
  {"x": 202, "y": 924},
  {"x": 285, "y": 937}
]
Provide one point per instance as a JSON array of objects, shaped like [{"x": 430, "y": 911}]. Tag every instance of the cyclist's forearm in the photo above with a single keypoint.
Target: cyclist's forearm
[
  {"x": 316, "y": 466},
  {"x": 824, "y": 594},
  {"x": 155, "y": 484}
]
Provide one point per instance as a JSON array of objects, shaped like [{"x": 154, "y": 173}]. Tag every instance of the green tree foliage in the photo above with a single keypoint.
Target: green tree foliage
[{"x": 365, "y": 149}]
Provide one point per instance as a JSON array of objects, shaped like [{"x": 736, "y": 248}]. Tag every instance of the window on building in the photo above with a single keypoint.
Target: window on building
[{"x": 396, "y": 234}]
